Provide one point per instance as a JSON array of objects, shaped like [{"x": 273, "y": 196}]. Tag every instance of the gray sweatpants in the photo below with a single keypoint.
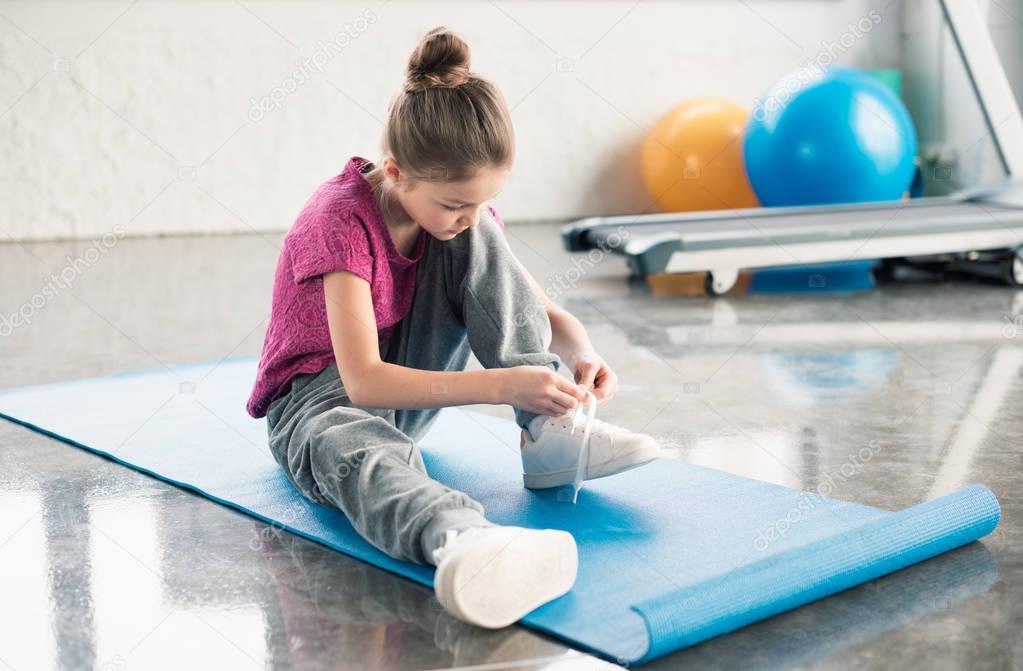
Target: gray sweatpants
[{"x": 470, "y": 296}]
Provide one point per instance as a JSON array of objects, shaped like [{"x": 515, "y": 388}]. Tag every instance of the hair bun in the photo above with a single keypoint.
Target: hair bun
[{"x": 440, "y": 60}]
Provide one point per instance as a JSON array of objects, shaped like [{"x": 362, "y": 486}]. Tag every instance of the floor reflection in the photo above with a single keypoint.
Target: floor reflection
[
  {"x": 122, "y": 581},
  {"x": 332, "y": 607},
  {"x": 928, "y": 374}
]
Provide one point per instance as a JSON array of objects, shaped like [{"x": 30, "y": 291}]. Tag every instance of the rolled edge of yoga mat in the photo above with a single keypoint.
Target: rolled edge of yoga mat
[
  {"x": 782, "y": 642},
  {"x": 800, "y": 575}
]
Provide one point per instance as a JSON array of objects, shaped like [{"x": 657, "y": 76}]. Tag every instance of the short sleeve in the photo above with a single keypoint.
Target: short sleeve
[
  {"x": 496, "y": 216},
  {"x": 321, "y": 244}
]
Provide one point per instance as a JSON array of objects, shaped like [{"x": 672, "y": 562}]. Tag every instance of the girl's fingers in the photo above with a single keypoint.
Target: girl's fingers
[
  {"x": 612, "y": 383},
  {"x": 555, "y": 410},
  {"x": 571, "y": 388},
  {"x": 586, "y": 373},
  {"x": 608, "y": 383},
  {"x": 565, "y": 401}
]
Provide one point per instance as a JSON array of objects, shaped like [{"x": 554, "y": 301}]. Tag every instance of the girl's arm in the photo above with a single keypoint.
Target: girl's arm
[
  {"x": 374, "y": 383},
  {"x": 569, "y": 338}
]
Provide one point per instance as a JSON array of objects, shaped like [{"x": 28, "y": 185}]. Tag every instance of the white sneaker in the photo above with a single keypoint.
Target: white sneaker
[
  {"x": 493, "y": 576},
  {"x": 553, "y": 459}
]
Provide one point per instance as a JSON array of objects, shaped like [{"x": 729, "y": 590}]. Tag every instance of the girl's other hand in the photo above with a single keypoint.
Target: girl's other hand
[{"x": 593, "y": 373}]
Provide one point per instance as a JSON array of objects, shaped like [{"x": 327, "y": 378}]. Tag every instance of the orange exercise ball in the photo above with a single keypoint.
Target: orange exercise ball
[{"x": 692, "y": 159}]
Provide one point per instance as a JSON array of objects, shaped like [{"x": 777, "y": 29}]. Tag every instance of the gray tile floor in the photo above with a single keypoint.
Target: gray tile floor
[{"x": 103, "y": 567}]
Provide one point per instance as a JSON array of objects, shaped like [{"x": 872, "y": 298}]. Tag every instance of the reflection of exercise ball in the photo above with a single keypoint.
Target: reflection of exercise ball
[
  {"x": 818, "y": 378},
  {"x": 692, "y": 159},
  {"x": 841, "y": 136}
]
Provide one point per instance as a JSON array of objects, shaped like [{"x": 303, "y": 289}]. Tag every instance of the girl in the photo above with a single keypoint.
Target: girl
[{"x": 392, "y": 273}]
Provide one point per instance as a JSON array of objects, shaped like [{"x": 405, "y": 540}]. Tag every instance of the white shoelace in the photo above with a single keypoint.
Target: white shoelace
[{"x": 584, "y": 449}]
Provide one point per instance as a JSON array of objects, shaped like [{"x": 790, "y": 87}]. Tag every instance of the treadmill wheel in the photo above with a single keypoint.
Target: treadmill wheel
[
  {"x": 720, "y": 282},
  {"x": 1012, "y": 268}
]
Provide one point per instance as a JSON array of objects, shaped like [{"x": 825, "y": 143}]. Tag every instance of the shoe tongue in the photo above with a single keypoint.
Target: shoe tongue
[
  {"x": 449, "y": 538},
  {"x": 536, "y": 426}
]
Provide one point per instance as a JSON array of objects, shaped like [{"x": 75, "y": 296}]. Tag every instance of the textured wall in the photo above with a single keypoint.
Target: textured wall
[{"x": 142, "y": 115}]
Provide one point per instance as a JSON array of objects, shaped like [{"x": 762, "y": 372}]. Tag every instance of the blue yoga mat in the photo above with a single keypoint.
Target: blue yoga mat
[{"x": 670, "y": 554}]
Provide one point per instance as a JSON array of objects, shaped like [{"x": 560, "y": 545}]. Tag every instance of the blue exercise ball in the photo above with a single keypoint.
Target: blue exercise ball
[{"x": 829, "y": 136}]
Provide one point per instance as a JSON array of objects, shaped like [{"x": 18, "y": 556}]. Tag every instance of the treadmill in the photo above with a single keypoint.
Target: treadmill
[{"x": 978, "y": 230}]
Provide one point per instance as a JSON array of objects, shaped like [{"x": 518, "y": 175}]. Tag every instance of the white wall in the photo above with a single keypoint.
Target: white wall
[
  {"x": 955, "y": 142},
  {"x": 1005, "y": 20},
  {"x": 138, "y": 114}
]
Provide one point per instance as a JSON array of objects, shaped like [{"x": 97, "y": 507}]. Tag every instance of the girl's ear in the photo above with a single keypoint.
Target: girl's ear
[{"x": 392, "y": 171}]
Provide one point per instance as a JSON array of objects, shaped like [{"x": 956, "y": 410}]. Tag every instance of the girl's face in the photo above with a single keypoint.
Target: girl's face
[{"x": 445, "y": 209}]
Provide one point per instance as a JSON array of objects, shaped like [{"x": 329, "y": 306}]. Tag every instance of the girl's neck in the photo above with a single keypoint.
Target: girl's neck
[
  {"x": 399, "y": 224},
  {"x": 393, "y": 213}
]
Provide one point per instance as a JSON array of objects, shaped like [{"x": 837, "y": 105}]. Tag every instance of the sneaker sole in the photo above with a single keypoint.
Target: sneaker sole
[
  {"x": 624, "y": 463},
  {"x": 496, "y": 587}
]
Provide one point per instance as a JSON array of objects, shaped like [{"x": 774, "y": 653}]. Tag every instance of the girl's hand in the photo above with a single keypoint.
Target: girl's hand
[
  {"x": 538, "y": 389},
  {"x": 593, "y": 373}
]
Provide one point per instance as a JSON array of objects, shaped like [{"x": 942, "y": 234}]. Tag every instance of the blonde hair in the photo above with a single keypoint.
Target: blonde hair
[{"x": 446, "y": 122}]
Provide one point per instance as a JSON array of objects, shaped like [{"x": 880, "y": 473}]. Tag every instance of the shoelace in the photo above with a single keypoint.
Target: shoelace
[{"x": 584, "y": 449}]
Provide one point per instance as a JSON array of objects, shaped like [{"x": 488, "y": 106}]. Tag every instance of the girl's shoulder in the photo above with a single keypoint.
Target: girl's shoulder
[
  {"x": 319, "y": 220},
  {"x": 329, "y": 236},
  {"x": 339, "y": 203}
]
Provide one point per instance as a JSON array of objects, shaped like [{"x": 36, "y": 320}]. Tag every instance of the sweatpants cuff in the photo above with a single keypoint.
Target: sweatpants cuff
[{"x": 452, "y": 518}]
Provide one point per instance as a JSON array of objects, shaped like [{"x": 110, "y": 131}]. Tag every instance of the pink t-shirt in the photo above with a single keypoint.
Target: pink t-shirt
[{"x": 339, "y": 228}]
